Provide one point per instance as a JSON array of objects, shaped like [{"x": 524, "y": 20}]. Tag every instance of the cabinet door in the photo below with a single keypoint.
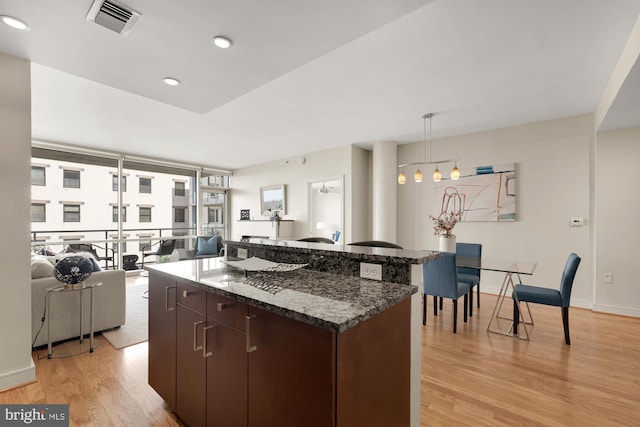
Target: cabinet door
[
  {"x": 191, "y": 368},
  {"x": 162, "y": 337},
  {"x": 291, "y": 372},
  {"x": 226, "y": 376}
]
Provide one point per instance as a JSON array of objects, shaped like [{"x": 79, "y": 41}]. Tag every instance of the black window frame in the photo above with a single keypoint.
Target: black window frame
[
  {"x": 44, "y": 212},
  {"x": 114, "y": 183},
  {"x": 142, "y": 187},
  {"x": 114, "y": 214},
  {"x": 141, "y": 216},
  {"x": 66, "y": 210},
  {"x": 44, "y": 175},
  {"x": 68, "y": 180},
  {"x": 180, "y": 192},
  {"x": 183, "y": 212},
  {"x": 144, "y": 244}
]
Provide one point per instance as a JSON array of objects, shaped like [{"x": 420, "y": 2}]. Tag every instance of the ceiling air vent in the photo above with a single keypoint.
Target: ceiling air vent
[{"x": 113, "y": 16}]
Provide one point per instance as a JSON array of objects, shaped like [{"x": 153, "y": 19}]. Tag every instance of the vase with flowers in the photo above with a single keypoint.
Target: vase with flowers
[{"x": 443, "y": 227}]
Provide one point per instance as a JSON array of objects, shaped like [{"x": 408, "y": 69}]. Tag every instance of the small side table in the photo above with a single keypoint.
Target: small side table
[{"x": 73, "y": 288}]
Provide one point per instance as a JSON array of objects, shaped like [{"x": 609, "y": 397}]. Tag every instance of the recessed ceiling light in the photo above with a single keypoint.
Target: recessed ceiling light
[
  {"x": 170, "y": 81},
  {"x": 14, "y": 23},
  {"x": 222, "y": 42}
]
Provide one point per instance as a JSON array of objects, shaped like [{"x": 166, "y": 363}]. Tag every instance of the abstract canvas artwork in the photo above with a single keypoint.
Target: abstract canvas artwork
[{"x": 483, "y": 193}]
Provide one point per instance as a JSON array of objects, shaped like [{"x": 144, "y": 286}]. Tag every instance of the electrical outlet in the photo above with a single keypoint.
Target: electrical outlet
[
  {"x": 608, "y": 277},
  {"x": 370, "y": 271},
  {"x": 242, "y": 253}
]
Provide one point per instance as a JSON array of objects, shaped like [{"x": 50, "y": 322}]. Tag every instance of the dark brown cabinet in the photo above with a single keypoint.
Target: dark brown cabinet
[
  {"x": 237, "y": 365},
  {"x": 191, "y": 368},
  {"x": 211, "y": 373},
  {"x": 226, "y": 362},
  {"x": 162, "y": 336},
  {"x": 291, "y": 372}
]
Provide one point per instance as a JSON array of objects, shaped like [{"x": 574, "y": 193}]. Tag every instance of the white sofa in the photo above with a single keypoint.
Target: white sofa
[{"x": 109, "y": 307}]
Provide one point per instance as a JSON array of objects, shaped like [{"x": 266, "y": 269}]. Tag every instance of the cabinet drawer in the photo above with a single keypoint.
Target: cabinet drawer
[
  {"x": 227, "y": 311},
  {"x": 192, "y": 297}
]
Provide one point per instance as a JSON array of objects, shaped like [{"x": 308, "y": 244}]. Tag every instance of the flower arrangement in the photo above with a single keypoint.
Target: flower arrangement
[{"x": 444, "y": 223}]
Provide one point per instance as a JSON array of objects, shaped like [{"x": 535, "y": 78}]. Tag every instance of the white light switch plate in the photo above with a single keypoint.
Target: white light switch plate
[{"x": 242, "y": 253}]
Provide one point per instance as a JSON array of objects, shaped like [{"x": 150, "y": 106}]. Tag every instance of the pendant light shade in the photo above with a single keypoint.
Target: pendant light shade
[
  {"x": 455, "y": 172},
  {"x": 402, "y": 178},
  {"x": 437, "y": 175},
  {"x": 417, "y": 177}
]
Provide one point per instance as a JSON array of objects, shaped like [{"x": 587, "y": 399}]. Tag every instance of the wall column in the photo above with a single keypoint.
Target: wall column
[
  {"x": 16, "y": 365},
  {"x": 385, "y": 167}
]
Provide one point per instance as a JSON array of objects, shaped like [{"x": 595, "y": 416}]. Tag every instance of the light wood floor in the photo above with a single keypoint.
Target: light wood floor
[{"x": 471, "y": 378}]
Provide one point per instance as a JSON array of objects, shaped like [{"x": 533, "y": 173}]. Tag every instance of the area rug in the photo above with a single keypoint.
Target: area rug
[{"x": 135, "y": 330}]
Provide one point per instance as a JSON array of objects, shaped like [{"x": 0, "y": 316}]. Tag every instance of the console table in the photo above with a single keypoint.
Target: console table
[{"x": 266, "y": 229}]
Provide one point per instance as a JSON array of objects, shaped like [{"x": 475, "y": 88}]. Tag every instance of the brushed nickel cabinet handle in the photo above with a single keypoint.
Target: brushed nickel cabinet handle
[
  {"x": 166, "y": 298},
  {"x": 188, "y": 293},
  {"x": 196, "y": 347},
  {"x": 250, "y": 348},
  {"x": 206, "y": 353}
]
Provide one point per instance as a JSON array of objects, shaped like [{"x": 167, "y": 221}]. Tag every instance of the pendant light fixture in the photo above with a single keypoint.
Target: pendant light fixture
[
  {"x": 437, "y": 175},
  {"x": 402, "y": 178},
  {"x": 418, "y": 175},
  {"x": 455, "y": 172}
]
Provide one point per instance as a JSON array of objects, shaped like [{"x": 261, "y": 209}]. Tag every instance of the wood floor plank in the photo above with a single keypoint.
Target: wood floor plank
[
  {"x": 471, "y": 378},
  {"x": 536, "y": 382}
]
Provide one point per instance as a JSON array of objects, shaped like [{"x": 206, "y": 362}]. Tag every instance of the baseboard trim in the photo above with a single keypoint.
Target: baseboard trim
[
  {"x": 614, "y": 309},
  {"x": 18, "y": 377}
]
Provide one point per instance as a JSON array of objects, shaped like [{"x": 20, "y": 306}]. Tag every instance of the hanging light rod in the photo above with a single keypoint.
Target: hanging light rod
[
  {"x": 429, "y": 163},
  {"x": 437, "y": 175}
]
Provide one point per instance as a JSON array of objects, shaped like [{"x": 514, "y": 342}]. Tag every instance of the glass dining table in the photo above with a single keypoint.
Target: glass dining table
[{"x": 510, "y": 269}]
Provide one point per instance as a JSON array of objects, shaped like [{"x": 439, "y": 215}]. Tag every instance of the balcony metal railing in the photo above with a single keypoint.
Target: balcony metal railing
[{"x": 108, "y": 248}]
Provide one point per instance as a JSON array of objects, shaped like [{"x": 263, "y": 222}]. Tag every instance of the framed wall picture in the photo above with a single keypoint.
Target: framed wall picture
[
  {"x": 272, "y": 200},
  {"x": 483, "y": 193},
  {"x": 245, "y": 214}
]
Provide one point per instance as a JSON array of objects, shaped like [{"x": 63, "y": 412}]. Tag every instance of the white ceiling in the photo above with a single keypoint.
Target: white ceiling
[{"x": 304, "y": 75}]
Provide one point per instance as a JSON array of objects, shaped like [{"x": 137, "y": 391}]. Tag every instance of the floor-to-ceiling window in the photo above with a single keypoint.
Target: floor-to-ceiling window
[
  {"x": 120, "y": 205},
  {"x": 214, "y": 190}
]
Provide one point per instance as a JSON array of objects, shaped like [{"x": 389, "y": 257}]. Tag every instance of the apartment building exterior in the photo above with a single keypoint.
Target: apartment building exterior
[{"x": 77, "y": 200}]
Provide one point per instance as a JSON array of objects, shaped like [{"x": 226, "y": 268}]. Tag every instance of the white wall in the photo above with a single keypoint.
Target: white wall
[
  {"x": 553, "y": 186},
  {"x": 360, "y": 195},
  {"x": 16, "y": 365},
  {"x": 556, "y": 181},
  {"x": 296, "y": 175},
  {"x": 618, "y": 228}
]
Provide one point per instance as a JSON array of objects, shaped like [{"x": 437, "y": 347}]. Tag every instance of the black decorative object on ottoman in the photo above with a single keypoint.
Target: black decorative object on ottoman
[{"x": 73, "y": 270}]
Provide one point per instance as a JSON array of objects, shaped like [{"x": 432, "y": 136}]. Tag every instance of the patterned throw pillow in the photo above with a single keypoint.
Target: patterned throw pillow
[{"x": 72, "y": 270}]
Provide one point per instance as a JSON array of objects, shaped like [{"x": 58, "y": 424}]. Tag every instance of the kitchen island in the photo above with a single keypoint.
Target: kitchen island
[{"x": 304, "y": 347}]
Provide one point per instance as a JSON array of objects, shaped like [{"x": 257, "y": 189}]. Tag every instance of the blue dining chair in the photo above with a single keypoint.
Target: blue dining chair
[
  {"x": 557, "y": 298},
  {"x": 467, "y": 274},
  {"x": 440, "y": 279}
]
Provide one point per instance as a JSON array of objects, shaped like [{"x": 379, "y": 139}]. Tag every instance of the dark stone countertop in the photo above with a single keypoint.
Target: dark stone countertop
[
  {"x": 330, "y": 301},
  {"x": 338, "y": 259},
  {"x": 404, "y": 255}
]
